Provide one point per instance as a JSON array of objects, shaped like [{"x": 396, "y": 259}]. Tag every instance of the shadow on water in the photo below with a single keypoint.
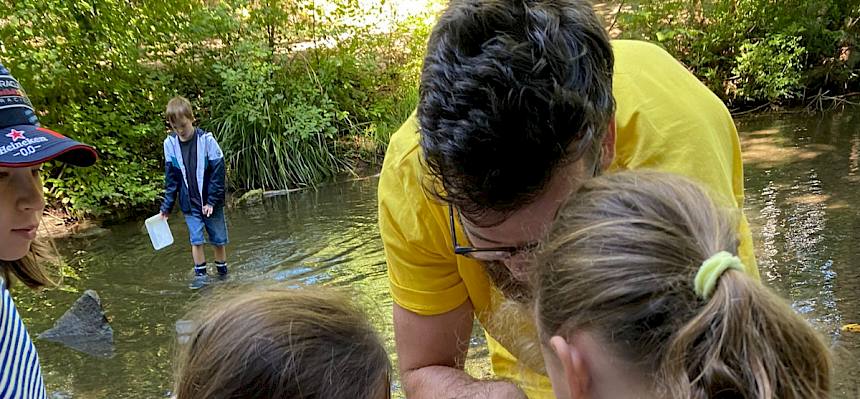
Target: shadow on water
[{"x": 802, "y": 184}]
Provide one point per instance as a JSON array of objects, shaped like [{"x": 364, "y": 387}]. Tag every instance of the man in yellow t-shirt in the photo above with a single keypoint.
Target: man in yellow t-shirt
[{"x": 517, "y": 106}]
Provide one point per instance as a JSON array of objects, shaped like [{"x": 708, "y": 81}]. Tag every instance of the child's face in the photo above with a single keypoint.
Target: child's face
[
  {"x": 181, "y": 124},
  {"x": 21, "y": 206}
]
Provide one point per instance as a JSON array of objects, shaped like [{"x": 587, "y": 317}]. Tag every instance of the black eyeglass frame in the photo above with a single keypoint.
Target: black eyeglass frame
[
  {"x": 510, "y": 251},
  {"x": 470, "y": 252}
]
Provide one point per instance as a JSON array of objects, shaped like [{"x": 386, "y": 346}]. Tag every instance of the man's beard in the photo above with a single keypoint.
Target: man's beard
[
  {"x": 513, "y": 289},
  {"x": 512, "y": 323}
]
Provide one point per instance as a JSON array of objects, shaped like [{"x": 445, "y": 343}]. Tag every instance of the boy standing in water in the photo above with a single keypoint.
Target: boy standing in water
[{"x": 194, "y": 169}]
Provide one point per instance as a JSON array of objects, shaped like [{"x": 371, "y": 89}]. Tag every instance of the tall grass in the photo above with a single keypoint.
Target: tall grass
[
  {"x": 272, "y": 154},
  {"x": 298, "y": 119}
]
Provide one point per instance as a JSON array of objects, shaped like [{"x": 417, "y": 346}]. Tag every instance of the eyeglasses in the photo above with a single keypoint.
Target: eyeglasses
[{"x": 486, "y": 254}]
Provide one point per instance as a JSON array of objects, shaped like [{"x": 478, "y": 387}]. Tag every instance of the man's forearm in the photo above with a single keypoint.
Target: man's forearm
[{"x": 440, "y": 382}]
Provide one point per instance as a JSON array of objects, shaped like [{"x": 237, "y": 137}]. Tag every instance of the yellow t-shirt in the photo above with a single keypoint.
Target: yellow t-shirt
[{"x": 666, "y": 120}]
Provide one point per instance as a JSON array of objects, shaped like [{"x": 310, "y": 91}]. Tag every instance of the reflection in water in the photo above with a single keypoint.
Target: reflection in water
[
  {"x": 802, "y": 184},
  {"x": 801, "y": 211},
  {"x": 808, "y": 272},
  {"x": 854, "y": 157},
  {"x": 803, "y": 266},
  {"x": 770, "y": 214},
  {"x": 769, "y": 148}
]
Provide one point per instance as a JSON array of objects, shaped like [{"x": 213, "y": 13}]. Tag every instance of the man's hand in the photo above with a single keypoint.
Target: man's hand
[
  {"x": 432, "y": 350},
  {"x": 165, "y": 215},
  {"x": 506, "y": 390},
  {"x": 207, "y": 210}
]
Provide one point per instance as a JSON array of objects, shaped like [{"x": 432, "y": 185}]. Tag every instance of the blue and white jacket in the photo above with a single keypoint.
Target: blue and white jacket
[{"x": 210, "y": 173}]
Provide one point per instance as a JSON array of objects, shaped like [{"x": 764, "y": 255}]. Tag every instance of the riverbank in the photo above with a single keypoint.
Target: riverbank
[{"x": 57, "y": 224}]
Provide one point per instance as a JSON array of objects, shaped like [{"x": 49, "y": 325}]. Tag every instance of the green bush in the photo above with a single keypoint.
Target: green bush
[
  {"x": 770, "y": 69},
  {"x": 288, "y": 87},
  {"x": 275, "y": 127},
  {"x": 81, "y": 64},
  {"x": 752, "y": 51},
  {"x": 293, "y": 118}
]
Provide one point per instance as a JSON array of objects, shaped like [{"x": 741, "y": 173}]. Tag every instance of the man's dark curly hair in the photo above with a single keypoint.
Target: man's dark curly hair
[{"x": 510, "y": 91}]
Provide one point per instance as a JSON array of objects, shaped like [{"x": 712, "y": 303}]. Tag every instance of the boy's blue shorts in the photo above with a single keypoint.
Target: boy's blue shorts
[{"x": 216, "y": 228}]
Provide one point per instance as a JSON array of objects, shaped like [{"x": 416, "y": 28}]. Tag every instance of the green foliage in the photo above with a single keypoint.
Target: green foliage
[
  {"x": 275, "y": 131},
  {"x": 750, "y": 51},
  {"x": 287, "y": 86},
  {"x": 82, "y": 66},
  {"x": 770, "y": 69}
]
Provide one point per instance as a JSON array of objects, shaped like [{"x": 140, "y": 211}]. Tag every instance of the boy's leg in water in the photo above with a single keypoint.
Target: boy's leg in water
[
  {"x": 199, "y": 254},
  {"x": 201, "y": 279},
  {"x": 195, "y": 230},
  {"x": 221, "y": 254},
  {"x": 216, "y": 227},
  {"x": 221, "y": 261}
]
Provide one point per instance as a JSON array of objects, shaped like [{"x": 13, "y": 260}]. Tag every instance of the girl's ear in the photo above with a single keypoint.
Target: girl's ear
[{"x": 574, "y": 367}]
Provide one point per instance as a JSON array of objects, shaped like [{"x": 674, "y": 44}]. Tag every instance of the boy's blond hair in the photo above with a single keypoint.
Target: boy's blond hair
[
  {"x": 179, "y": 106},
  {"x": 620, "y": 263}
]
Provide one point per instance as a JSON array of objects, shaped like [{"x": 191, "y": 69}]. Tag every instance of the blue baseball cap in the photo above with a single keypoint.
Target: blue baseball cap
[{"x": 23, "y": 142}]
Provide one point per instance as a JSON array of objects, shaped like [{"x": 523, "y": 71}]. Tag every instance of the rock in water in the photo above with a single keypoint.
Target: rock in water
[
  {"x": 84, "y": 327},
  {"x": 250, "y": 197}
]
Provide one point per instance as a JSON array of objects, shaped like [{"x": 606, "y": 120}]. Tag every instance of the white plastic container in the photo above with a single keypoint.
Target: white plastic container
[
  {"x": 184, "y": 329},
  {"x": 159, "y": 232}
]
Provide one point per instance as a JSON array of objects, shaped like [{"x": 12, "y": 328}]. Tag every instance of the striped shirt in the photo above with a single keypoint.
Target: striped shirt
[{"x": 20, "y": 374}]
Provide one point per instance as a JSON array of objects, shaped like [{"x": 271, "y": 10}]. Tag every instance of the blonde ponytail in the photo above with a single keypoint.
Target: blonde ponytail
[
  {"x": 620, "y": 262},
  {"x": 746, "y": 341}
]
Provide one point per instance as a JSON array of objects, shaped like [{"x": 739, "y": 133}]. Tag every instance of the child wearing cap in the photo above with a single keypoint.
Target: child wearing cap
[
  {"x": 194, "y": 172},
  {"x": 639, "y": 293},
  {"x": 24, "y": 146}
]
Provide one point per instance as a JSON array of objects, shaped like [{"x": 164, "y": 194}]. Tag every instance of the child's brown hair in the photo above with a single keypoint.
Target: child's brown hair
[
  {"x": 620, "y": 263},
  {"x": 179, "y": 106},
  {"x": 29, "y": 269},
  {"x": 270, "y": 342}
]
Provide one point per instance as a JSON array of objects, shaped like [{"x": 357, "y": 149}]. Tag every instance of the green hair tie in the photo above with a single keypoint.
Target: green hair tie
[{"x": 711, "y": 270}]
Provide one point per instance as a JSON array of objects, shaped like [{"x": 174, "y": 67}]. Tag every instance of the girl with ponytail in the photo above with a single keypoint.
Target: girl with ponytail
[{"x": 639, "y": 294}]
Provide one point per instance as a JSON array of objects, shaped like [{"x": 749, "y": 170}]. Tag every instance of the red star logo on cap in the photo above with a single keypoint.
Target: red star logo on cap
[{"x": 15, "y": 135}]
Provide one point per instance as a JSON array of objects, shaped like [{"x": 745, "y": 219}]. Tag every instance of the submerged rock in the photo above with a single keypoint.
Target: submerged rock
[
  {"x": 84, "y": 327},
  {"x": 250, "y": 197}
]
